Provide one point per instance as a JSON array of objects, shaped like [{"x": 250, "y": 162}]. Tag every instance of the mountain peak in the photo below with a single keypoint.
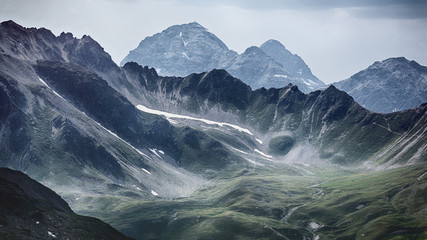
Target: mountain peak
[
  {"x": 179, "y": 50},
  {"x": 390, "y": 62},
  {"x": 272, "y": 43},
  {"x": 15, "y": 27},
  {"x": 63, "y": 37},
  {"x": 396, "y": 62},
  {"x": 393, "y": 84},
  {"x": 191, "y": 26},
  {"x": 10, "y": 23},
  {"x": 253, "y": 50},
  {"x": 400, "y": 64},
  {"x": 292, "y": 63}
]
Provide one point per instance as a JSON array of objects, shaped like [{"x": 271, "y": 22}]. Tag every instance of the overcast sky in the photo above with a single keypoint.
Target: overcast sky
[{"x": 336, "y": 38}]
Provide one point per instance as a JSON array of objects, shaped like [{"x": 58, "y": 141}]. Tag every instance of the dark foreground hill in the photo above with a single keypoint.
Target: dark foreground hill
[{"x": 29, "y": 210}]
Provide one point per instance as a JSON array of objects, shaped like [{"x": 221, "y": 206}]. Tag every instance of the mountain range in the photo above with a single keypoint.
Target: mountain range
[
  {"x": 205, "y": 156},
  {"x": 190, "y": 48},
  {"x": 395, "y": 84}
]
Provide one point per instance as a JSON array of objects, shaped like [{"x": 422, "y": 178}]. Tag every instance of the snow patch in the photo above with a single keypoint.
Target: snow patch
[
  {"x": 309, "y": 82},
  {"x": 280, "y": 76},
  {"x": 154, "y": 150},
  {"x": 172, "y": 121},
  {"x": 154, "y": 193},
  {"x": 210, "y": 122},
  {"x": 137, "y": 188},
  {"x": 247, "y": 159},
  {"x": 115, "y": 135},
  {"x": 306, "y": 82},
  {"x": 37, "y": 222},
  {"x": 360, "y": 206},
  {"x": 262, "y": 154},
  {"x": 421, "y": 177},
  {"x": 314, "y": 225},
  {"x": 57, "y": 94},
  {"x": 183, "y": 41},
  {"x": 323, "y": 130},
  {"x": 50, "y": 234},
  {"x": 240, "y": 151},
  {"x": 258, "y": 140},
  {"x": 185, "y": 55},
  {"x": 145, "y": 170}
]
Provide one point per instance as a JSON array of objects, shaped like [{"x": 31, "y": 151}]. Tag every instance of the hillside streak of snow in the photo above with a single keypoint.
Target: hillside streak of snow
[
  {"x": 50, "y": 234},
  {"x": 262, "y": 154},
  {"x": 155, "y": 152},
  {"x": 210, "y": 122},
  {"x": 57, "y": 94},
  {"x": 106, "y": 129},
  {"x": 280, "y": 76}
]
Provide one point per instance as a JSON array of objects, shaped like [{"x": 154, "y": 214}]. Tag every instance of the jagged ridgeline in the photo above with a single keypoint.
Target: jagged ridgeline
[
  {"x": 204, "y": 155},
  {"x": 329, "y": 120}
]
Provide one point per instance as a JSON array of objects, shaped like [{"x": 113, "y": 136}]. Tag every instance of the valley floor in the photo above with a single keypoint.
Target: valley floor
[{"x": 280, "y": 201}]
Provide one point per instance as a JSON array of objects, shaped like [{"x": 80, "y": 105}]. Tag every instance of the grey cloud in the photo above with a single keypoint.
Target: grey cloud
[
  {"x": 391, "y": 12},
  {"x": 361, "y": 8}
]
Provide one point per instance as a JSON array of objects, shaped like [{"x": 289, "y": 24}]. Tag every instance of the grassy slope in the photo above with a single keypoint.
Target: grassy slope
[
  {"x": 257, "y": 204},
  {"x": 388, "y": 204}
]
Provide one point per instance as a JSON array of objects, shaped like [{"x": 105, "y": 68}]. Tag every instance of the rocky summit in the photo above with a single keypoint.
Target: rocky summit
[
  {"x": 190, "y": 48},
  {"x": 292, "y": 63},
  {"x": 394, "y": 84},
  {"x": 181, "y": 50}
]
